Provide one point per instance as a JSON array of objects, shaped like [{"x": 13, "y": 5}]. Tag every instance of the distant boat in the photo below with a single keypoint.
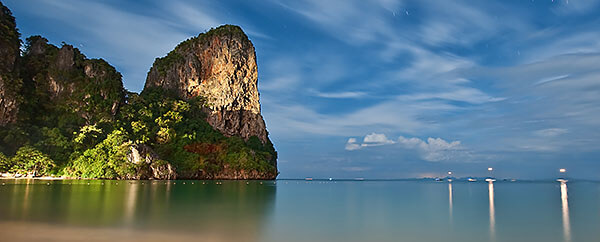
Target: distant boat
[
  {"x": 308, "y": 178},
  {"x": 359, "y": 179},
  {"x": 331, "y": 179},
  {"x": 471, "y": 179},
  {"x": 439, "y": 179}
]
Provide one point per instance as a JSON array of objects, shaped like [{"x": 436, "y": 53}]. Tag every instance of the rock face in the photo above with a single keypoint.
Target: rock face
[
  {"x": 151, "y": 166},
  {"x": 76, "y": 111},
  {"x": 9, "y": 82},
  {"x": 220, "y": 66},
  {"x": 9, "y": 103},
  {"x": 67, "y": 81}
]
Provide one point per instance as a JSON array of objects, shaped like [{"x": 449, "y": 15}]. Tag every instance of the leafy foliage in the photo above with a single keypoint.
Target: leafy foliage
[
  {"x": 29, "y": 159},
  {"x": 164, "y": 63},
  {"x": 64, "y": 89},
  {"x": 108, "y": 159},
  {"x": 5, "y": 163},
  {"x": 76, "y": 119},
  {"x": 179, "y": 133}
]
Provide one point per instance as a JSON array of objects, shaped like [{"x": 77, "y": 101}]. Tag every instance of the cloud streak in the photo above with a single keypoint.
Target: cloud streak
[{"x": 431, "y": 149}]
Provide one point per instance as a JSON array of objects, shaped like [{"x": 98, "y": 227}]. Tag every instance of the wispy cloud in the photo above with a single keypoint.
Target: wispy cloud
[
  {"x": 550, "y": 132},
  {"x": 466, "y": 94},
  {"x": 523, "y": 82},
  {"x": 355, "y": 168},
  {"x": 431, "y": 149},
  {"x": 339, "y": 94}
]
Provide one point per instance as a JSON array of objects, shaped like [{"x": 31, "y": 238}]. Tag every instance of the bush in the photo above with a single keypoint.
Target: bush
[
  {"x": 106, "y": 160},
  {"x": 5, "y": 163},
  {"x": 28, "y": 159}
]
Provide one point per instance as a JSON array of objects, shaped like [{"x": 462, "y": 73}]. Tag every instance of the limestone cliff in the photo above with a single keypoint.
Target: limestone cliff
[
  {"x": 64, "y": 81},
  {"x": 197, "y": 118},
  {"x": 220, "y": 66},
  {"x": 9, "y": 82}
]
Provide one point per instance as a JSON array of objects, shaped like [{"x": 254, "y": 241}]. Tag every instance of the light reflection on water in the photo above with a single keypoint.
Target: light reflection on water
[
  {"x": 450, "y": 200},
  {"x": 297, "y": 211},
  {"x": 565, "y": 211},
  {"x": 492, "y": 211}
]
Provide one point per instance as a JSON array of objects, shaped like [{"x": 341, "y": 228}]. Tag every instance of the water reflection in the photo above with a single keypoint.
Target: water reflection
[
  {"x": 450, "y": 200},
  {"x": 492, "y": 211},
  {"x": 565, "y": 211},
  {"x": 130, "y": 203},
  {"x": 132, "y": 211}
]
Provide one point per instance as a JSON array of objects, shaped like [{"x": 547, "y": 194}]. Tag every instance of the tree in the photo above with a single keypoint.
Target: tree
[
  {"x": 55, "y": 144},
  {"x": 28, "y": 159},
  {"x": 108, "y": 159},
  {"x": 5, "y": 163},
  {"x": 87, "y": 136}
]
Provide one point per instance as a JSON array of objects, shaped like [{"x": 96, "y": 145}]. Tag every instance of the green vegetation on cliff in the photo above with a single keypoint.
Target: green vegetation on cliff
[
  {"x": 74, "y": 118},
  {"x": 174, "y": 128}
]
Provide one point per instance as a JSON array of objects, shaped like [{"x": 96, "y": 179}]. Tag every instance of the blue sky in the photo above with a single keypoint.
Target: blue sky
[{"x": 384, "y": 88}]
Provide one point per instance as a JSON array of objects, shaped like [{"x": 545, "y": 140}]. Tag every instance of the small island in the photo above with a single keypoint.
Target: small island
[{"x": 198, "y": 117}]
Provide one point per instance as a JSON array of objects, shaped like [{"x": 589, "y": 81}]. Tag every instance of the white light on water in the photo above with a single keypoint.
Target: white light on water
[
  {"x": 450, "y": 202},
  {"x": 492, "y": 211},
  {"x": 565, "y": 212}
]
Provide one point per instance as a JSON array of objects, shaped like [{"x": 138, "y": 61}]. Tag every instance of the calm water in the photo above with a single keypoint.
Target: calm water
[{"x": 298, "y": 211}]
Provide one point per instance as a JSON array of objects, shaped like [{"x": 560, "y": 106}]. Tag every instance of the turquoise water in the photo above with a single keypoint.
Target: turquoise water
[{"x": 292, "y": 210}]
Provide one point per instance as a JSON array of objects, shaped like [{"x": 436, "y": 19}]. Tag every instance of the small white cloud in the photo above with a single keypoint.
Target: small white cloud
[
  {"x": 352, "y": 145},
  {"x": 410, "y": 142},
  {"x": 434, "y": 149},
  {"x": 550, "y": 132},
  {"x": 377, "y": 139},
  {"x": 372, "y": 139}
]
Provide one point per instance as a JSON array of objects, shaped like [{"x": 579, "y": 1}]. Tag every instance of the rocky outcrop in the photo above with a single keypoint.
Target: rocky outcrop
[
  {"x": 66, "y": 79},
  {"x": 150, "y": 166},
  {"x": 9, "y": 40},
  {"x": 57, "y": 99},
  {"x": 219, "y": 66},
  {"x": 9, "y": 102},
  {"x": 9, "y": 81}
]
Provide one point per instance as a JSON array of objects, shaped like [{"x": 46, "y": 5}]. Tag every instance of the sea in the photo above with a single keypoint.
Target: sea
[{"x": 299, "y": 210}]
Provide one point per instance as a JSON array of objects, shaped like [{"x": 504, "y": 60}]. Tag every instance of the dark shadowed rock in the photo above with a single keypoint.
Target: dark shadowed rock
[
  {"x": 10, "y": 84},
  {"x": 64, "y": 80}
]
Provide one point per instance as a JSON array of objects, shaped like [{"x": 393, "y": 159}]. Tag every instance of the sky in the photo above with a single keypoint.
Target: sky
[{"x": 382, "y": 88}]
